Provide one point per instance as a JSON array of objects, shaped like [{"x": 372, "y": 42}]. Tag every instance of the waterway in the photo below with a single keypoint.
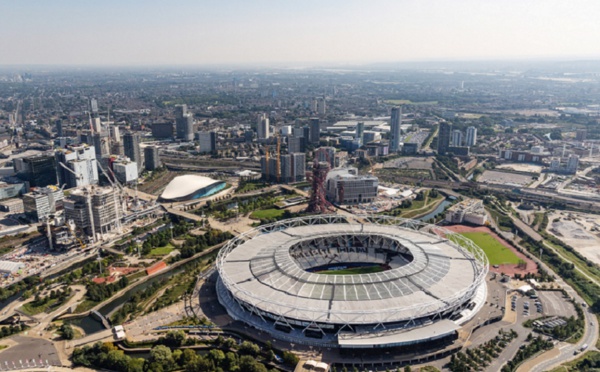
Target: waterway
[
  {"x": 440, "y": 208},
  {"x": 90, "y": 325}
]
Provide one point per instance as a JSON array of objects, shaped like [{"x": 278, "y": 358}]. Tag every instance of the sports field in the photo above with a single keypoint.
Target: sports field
[
  {"x": 267, "y": 213},
  {"x": 495, "y": 251},
  {"x": 353, "y": 270}
]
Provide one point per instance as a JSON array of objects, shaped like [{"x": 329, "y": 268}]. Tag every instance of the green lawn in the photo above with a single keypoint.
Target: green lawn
[
  {"x": 264, "y": 214},
  {"x": 161, "y": 251},
  {"x": 353, "y": 271},
  {"x": 496, "y": 253}
]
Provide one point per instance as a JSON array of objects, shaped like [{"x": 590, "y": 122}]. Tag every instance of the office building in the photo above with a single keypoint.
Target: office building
[
  {"x": 457, "y": 138},
  {"x": 444, "y": 137},
  {"x": 131, "y": 148},
  {"x": 184, "y": 123},
  {"x": 126, "y": 171},
  {"x": 207, "y": 141},
  {"x": 162, "y": 130},
  {"x": 572, "y": 163},
  {"x": 471, "y": 136},
  {"x": 286, "y": 130},
  {"x": 360, "y": 132},
  {"x": 103, "y": 209},
  {"x": 262, "y": 127},
  {"x": 81, "y": 160},
  {"x": 468, "y": 210},
  {"x": 38, "y": 170},
  {"x": 151, "y": 158},
  {"x": 42, "y": 202},
  {"x": 321, "y": 106},
  {"x": 59, "y": 128},
  {"x": 345, "y": 186},
  {"x": 315, "y": 131},
  {"x": 296, "y": 144},
  {"x": 395, "y": 129}
]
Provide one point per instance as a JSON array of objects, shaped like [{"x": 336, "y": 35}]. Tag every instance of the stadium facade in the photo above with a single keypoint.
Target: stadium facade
[
  {"x": 353, "y": 282},
  {"x": 190, "y": 187}
]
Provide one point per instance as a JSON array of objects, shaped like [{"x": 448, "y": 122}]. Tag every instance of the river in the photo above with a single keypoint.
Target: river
[{"x": 440, "y": 208}]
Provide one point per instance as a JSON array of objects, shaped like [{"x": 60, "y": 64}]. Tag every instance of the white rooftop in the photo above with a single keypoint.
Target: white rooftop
[{"x": 188, "y": 184}]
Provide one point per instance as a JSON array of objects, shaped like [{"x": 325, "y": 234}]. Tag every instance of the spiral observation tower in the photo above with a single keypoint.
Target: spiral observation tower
[{"x": 353, "y": 282}]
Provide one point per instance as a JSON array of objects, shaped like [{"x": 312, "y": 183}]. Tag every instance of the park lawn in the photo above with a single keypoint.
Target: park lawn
[
  {"x": 353, "y": 271},
  {"x": 161, "y": 251},
  {"x": 264, "y": 214},
  {"x": 495, "y": 251}
]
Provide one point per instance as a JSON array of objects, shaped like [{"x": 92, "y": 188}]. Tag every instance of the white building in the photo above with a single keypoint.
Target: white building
[
  {"x": 263, "y": 127},
  {"x": 457, "y": 138},
  {"x": 471, "y": 136},
  {"x": 207, "y": 141},
  {"x": 345, "y": 186},
  {"x": 126, "y": 171},
  {"x": 468, "y": 210},
  {"x": 81, "y": 160}
]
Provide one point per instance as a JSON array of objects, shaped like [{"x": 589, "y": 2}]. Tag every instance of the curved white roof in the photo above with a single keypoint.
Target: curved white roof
[
  {"x": 183, "y": 186},
  {"x": 268, "y": 272}
]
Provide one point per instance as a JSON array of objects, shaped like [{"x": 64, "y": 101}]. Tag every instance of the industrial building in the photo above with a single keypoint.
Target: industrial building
[{"x": 345, "y": 186}]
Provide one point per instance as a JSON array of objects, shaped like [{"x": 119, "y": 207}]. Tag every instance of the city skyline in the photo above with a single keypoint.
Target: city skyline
[{"x": 135, "y": 33}]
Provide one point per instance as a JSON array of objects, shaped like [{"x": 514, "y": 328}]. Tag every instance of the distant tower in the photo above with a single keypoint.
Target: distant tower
[
  {"x": 262, "y": 127},
  {"x": 360, "y": 132},
  {"x": 151, "y": 158},
  {"x": 395, "y": 129},
  {"x": 184, "y": 123},
  {"x": 444, "y": 135},
  {"x": 315, "y": 131},
  {"x": 94, "y": 106},
  {"x": 59, "y": 128},
  {"x": 131, "y": 148},
  {"x": 471, "y": 136}
]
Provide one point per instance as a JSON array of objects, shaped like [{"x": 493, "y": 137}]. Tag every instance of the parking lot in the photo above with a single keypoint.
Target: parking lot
[{"x": 555, "y": 304}]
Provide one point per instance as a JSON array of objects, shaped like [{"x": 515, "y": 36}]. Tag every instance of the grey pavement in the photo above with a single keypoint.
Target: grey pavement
[{"x": 29, "y": 352}]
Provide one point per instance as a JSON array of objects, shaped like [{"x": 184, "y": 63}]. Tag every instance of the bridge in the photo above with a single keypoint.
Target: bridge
[{"x": 101, "y": 318}]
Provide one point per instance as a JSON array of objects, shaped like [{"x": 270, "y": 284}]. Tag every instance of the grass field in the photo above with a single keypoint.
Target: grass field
[
  {"x": 353, "y": 271},
  {"x": 496, "y": 253},
  {"x": 161, "y": 251},
  {"x": 267, "y": 213}
]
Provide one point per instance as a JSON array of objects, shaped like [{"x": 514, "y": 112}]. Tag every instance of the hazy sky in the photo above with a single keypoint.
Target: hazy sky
[{"x": 197, "y": 32}]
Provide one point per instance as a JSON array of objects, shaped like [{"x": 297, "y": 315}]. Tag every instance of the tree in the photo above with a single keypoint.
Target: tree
[
  {"x": 407, "y": 369},
  {"x": 67, "y": 331},
  {"x": 217, "y": 356},
  {"x": 249, "y": 348},
  {"x": 161, "y": 355},
  {"x": 175, "y": 338}
]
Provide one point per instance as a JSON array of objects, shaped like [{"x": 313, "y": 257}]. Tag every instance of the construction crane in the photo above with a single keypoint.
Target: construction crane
[
  {"x": 116, "y": 202},
  {"x": 89, "y": 200}
]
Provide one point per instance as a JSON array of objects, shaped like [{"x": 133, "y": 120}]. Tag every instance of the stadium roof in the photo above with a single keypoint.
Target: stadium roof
[
  {"x": 186, "y": 186},
  {"x": 262, "y": 272}
]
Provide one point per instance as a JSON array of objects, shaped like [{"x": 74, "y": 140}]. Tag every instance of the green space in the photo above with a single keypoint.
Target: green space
[
  {"x": 589, "y": 361},
  {"x": 2, "y": 347},
  {"x": 161, "y": 251},
  {"x": 30, "y": 308},
  {"x": 495, "y": 251},
  {"x": 393, "y": 174},
  {"x": 264, "y": 214},
  {"x": 353, "y": 271}
]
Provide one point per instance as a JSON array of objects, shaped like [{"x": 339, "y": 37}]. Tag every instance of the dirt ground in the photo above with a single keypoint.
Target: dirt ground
[{"x": 508, "y": 269}]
